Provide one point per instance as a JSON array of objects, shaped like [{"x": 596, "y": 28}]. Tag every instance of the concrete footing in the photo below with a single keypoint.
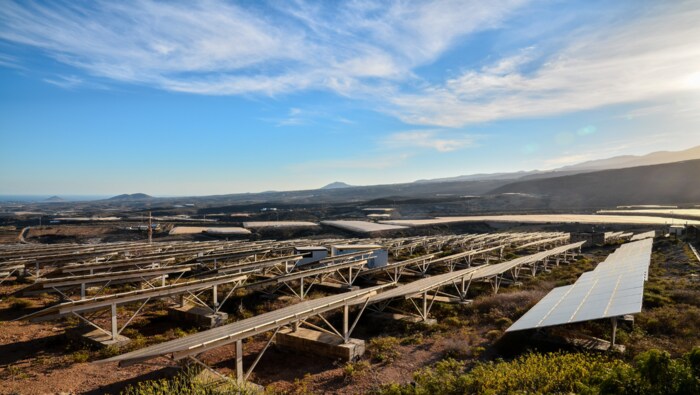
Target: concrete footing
[
  {"x": 386, "y": 316},
  {"x": 198, "y": 315},
  {"x": 319, "y": 343},
  {"x": 96, "y": 337},
  {"x": 595, "y": 344}
]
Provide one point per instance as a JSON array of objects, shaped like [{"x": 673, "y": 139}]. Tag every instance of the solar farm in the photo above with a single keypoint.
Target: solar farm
[{"x": 239, "y": 310}]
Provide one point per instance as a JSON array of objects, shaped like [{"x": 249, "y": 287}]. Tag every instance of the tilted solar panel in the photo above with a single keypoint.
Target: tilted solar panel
[{"x": 614, "y": 288}]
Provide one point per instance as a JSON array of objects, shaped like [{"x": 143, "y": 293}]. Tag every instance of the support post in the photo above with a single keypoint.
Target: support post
[
  {"x": 115, "y": 329},
  {"x": 239, "y": 360},
  {"x": 346, "y": 318},
  {"x": 614, "y": 331}
]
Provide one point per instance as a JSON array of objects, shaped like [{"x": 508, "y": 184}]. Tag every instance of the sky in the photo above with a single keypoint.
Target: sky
[{"x": 215, "y": 97}]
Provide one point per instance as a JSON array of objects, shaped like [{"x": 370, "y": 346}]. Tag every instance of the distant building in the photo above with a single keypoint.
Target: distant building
[
  {"x": 378, "y": 258},
  {"x": 311, "y": 254},
  {"x": 676, "y": 230}
]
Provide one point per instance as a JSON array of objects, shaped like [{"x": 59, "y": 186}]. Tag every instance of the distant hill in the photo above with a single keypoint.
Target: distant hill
[
  {"x": 620, "y": 162},
  {"x": 543, "y": 190},
  {"x": 483, "y": 176},
  {"x": 669, "y": 183},
  {"x": 54, "y": 199},
  {"x": 130, "y": 197},
  {"x": 337, "y": 185},
  {"x": 617, "y": 162}
]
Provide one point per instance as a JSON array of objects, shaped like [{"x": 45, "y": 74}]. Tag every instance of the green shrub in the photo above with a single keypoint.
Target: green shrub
[
  {"x": 18, "y": 304},
  {"x": 693, "y": 358},
  {"x": 477, "y": 351},
  {"x": 80, "y": 356},
  {"x": 453, "y": 322},
  {"x": 504, "y": 322},
  {"x": 413, "y": 339},
  {"x": 655, "y": 300},
  {"x": 384, "y": 349},
  {"x": 354, "y": 369},
  {"x": 108, "y": 352},
  {"x": 444, "y": 378},
  {"x": 187, "y": 383},
  {"x": 493, "y": 334},
  {"x": 654, "y": 372},
  {"x": 666, "y": 321},
  {"x": 660, "y": 374}
]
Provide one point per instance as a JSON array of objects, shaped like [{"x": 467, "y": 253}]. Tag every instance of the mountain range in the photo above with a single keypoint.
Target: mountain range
[
  {"x": 667, "y": 183},
  {"x": 655, "y": 178},
  {"x": 616, "y": 162}
]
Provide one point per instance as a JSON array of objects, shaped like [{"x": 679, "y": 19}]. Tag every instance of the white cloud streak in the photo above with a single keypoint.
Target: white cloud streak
[
  {"x": 365, "y": 50},
  {"x": 66, "y": 82},
  {"x": 438, "y": 140},
  {"x": 221, "y": 48},
  {"x": 646, "y": 60}
]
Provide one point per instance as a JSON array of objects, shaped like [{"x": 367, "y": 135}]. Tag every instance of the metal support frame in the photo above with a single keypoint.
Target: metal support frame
[
  {"x": 114, "y": 330},
  {"x": 243, "y": 376},
  {"x": 306, "y": 282},
  {"x": 9, "y": 274},
  {"x": 195, "y": 299},
  {"x": 425, "y": 308},
  {"x": 347, "y": 328}
]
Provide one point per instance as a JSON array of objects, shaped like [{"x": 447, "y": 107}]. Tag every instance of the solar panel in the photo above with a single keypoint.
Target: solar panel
[
  {"x": 201, "y": 341},
  {"x": 614, "y": 288}
]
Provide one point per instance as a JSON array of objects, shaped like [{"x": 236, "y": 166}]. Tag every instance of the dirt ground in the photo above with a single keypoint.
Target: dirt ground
[{"x": 38, "y": 359}]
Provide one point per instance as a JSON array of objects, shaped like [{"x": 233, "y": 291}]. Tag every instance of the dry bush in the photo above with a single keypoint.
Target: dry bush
[
  {"x": 509, "y": 305},
  {"x": 678, "y": 320},
  {"x": 686, "y": 296}
]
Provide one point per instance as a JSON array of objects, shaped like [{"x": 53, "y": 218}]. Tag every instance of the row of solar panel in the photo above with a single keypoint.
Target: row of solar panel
[{"x": 614, "y": 288}]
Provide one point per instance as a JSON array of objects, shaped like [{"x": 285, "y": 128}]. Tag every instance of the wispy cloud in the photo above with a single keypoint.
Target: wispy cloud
[
  {"x": 10, "y": 61},
  {"x": 439, "y": 140},
  {"x": 68, "y": 82},
  {"x": 620, "y": 64},
  {"x": 222, "y": 48},
  {"x": 365, "y": 50},
  {"x": 295, "y": 116}
]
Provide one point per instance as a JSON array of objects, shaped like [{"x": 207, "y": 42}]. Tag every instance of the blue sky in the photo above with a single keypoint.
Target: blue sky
[{"x": 214, "y": 97}]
